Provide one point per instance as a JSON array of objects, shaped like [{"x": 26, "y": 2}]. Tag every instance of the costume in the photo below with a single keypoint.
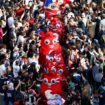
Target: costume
[
  {"x": 53, "y": 7},
  {"x": 54, "y": 70},
  {"x": 49, "y": 43},
  {"x": 51, "y": 90},
  {"x": 51, "y": 56},
  {"x": 56, "y": 61},
  {"x": 56, "y": 26}
]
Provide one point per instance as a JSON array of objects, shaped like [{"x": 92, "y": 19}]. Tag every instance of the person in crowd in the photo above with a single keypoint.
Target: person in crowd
[{"x": 22, "y": 23}]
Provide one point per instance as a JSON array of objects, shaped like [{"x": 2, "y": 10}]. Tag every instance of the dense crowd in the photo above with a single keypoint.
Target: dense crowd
[{"x": 83, "y": 48}]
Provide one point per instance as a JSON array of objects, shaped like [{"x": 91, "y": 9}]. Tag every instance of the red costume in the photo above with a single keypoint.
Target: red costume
[
  {"x": 51, "y": 89},
  {"x": 53, "y": 7},
  {"x": 51, "y": 57},
  {"x": 49, "y": 43},
  {"x": 51, "y": 52},
  {"x": 56, "y": 26},
  {"x": 56, "y": 60}
]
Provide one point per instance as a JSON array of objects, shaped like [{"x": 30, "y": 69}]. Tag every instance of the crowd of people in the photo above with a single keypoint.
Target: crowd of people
[{"x": 83, "y": 48}]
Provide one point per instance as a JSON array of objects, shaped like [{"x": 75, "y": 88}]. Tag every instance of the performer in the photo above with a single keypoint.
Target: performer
[{"x": 51, "y": 91}]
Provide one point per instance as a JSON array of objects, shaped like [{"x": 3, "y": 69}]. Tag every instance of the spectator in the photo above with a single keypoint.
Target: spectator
[
  {"x": 22, "y": 22},
  {"x": 10, "y": 21},
  {"x": 102, "y": 25}
]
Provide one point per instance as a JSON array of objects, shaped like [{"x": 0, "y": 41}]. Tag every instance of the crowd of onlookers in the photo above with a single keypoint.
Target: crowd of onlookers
[{"x": 83, "y": 47}]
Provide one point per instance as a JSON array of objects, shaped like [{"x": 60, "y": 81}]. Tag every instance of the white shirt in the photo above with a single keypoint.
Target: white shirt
[
  {"x": 15, "y": 54},
  {"x": 31, "y": 60},
  {"x": 35, "y": 8},
  {"x": 16, "y": 69},
  {"x": 89, "y": 1},
  {"x": 2, "y": 70},
  {"x": 72, "y": 1},
  {"x": 10, "y": 22},
  {"x": 84, "y": 19},
  {"x": 66, "y": 20},
  {"x": 21, "y": 39},
  {"x": 42, "y": 15},
  {"x": 27, "y": 2},
  {"x": 102, "y": 25},
  {"x": 1, "y": 14},
  {"x": 70, "y": 14},
  {"x": 19, "y": 24},
  {"x": 41, "y": 3}
]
